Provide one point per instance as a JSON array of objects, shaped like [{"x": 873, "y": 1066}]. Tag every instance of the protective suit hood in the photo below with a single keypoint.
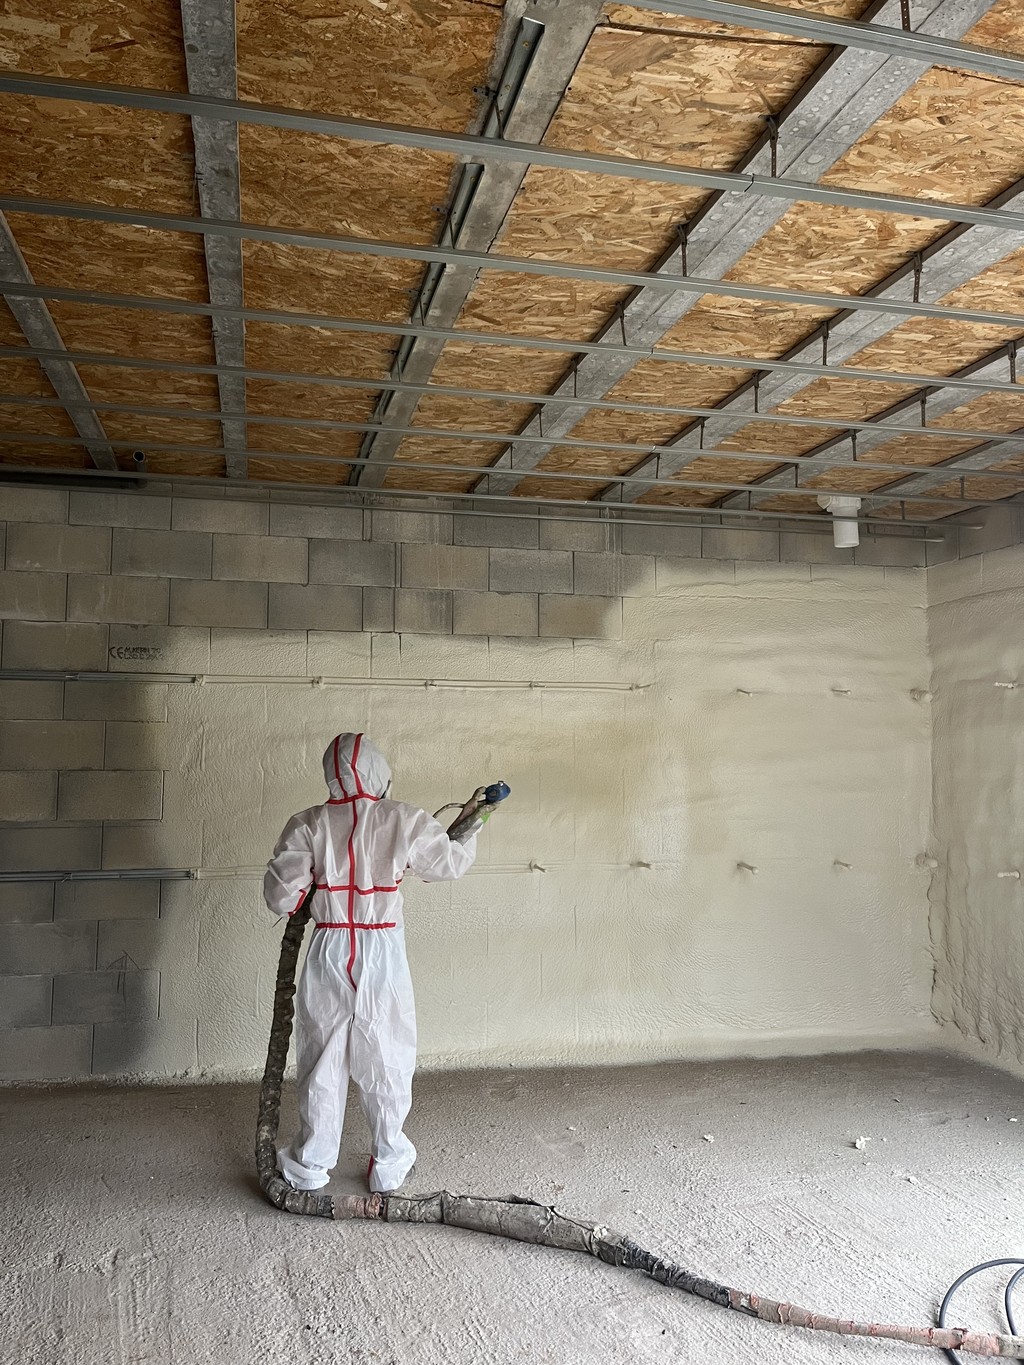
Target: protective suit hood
[{"x": 354, "y": 766}]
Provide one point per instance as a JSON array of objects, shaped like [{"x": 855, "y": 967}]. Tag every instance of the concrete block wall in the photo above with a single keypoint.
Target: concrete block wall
[
  {"x": 976, "y": 893},
  {"x": 639, "y": 806}
]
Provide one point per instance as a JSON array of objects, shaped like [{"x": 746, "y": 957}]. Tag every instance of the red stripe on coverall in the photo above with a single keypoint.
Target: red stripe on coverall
[
  {"x": 352, "y": 860},
  {"x": 344, "y": 924}
]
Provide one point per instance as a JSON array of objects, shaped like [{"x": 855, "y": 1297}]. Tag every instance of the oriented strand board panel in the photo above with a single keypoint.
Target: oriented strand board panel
[
  {"x": 115, "y": 41},
  {"x": 353, "y": 355},
  {"x": 458, "y": 414},
  {"x": 697, "y": 97},
  {"x": 43, "y": 456},
  {"x": 123, "y": 157},
  {"x": 42, "y": 421},
  {"x": 401, "y": 61},
  {"x": 408, "y": 61},
  {"x": 935, "y": 143}
]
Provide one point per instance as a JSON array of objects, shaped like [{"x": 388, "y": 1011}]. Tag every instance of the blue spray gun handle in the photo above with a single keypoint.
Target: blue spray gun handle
[{"x": 478, "y": 808}]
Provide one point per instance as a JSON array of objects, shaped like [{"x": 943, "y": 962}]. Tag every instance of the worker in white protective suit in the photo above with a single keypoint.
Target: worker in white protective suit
[{"x": 355, "y": 1014}]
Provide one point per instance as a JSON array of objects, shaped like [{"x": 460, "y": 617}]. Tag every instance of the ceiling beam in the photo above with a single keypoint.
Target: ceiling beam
[
  {"x": 937, "y": 403},
  {"x": 956, "y": 258},
  {"x": 799, "y": 464},
  {"x": 208, "y": 30},
  {"x": 481, "y": 260},
  {"x": 328, "y": 321},
  {"x": 343, "y": 461},
  {"x": 190, "y": 414},
  {"x": 843, "y": 99},
  {"x": 531, "y": 77},
  {"x": 923, "y": 48},
  {"x": 40, "y": 330}
]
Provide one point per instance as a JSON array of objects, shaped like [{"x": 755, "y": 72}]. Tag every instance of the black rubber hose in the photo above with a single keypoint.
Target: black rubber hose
[{"x": 954, "y": 1356}]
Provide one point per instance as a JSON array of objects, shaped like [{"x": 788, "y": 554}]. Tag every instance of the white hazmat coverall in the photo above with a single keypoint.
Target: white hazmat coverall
[{"x": 355, "y": 1014}]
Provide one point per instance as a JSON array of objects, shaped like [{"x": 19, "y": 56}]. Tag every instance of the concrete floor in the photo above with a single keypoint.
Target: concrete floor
[{"x": 135, "y": 1233}]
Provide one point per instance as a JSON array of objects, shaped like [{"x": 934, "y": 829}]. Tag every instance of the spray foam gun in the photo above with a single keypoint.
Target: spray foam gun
[{"x": 478, "y": 808}]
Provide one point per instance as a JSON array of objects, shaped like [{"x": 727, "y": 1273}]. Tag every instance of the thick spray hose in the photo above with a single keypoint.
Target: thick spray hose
[{"x": 525, "y": 1221}]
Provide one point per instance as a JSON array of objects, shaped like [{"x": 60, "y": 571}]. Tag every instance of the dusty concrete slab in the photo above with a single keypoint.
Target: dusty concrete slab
[{"x": 134, "y": 1231}]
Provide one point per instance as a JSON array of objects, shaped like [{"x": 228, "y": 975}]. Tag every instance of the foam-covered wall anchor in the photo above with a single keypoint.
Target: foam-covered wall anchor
[
  {"x": 317, "y": 682},
  {"x": 1009, "y": 686},
  {"x": 746, "y": 867},
  {"x": 199, "y": 680},
  {"x": 923, "y": 860},
  {"x": 1013, "y": 875},
  {"x": 920, "y": 694}
]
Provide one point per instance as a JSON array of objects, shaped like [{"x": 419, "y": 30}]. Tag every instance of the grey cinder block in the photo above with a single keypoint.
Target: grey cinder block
[
  {"x": 321, "y": 523},
  {"x": 103, "y": 900},
  {"x": 116, "y": 701},
  {"x": 162, "y": 554},
  {"x": 444, "y": 566},
  {"x": 728, "y": 542},
  {"x": 531, "y": 571},
  {"x": 33, "y": 504},
  {"x": 26, "y": 796},
  {"x": 45, "y": 949},
  {"x": 110, "y": 795},
  {"x": 590, "y": 534},
  {"x": 221, "y": 514},
  {"x": 888, "y": 551},
  {"x": 59, "y": 549},
  {"x": 218, "y": 603},
  {"x": 260, "y": 559},
  {"x": 45, "y": 1054},
  {"x": 137, "y": 510},
  {"x": 495, "y": 613},
  {"x": 50, "y": 745},
  {"x": 25, "y": 1001},
  {"x": 55, "y": 645},
  {"x": 315, "y": 606},
  {"x": 26, "y": 902},
  {"x": 32, "y": 596},
  {"x": 105, "y": 997},
  {"x": 152, "y": 1047},
  {"x": 121, "y": 599},
  {"x": 50, "y": 848},
  {"x": 31, "y": 700},
  {"x": 378, "y": 609},
  {"x": 359, "y": 563},
  {"x": 613, "y": 575},
  {"x": 406, "y": 528},
  {"x": 513, "y": 533},
  {"x": 679, "y": 542},
  {"x": 423, "y": 611},
  {"x": 159, "y": 649}
]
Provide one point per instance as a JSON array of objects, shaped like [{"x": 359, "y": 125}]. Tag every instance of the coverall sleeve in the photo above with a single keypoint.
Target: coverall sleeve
[
  {"x": 290, "y": 871},
  {"x": 435, "y": 857}
]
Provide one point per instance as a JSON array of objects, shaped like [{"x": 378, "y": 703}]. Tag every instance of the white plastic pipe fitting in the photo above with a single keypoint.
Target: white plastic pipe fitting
[{"x": 845, "y": 529}]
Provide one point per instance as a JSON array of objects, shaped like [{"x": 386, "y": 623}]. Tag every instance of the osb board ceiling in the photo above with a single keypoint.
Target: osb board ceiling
[{"x": 648, "y": 85}]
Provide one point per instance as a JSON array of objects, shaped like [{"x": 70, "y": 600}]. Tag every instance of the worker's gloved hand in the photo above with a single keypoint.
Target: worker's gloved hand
[{"x": 473, "y": 829}]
